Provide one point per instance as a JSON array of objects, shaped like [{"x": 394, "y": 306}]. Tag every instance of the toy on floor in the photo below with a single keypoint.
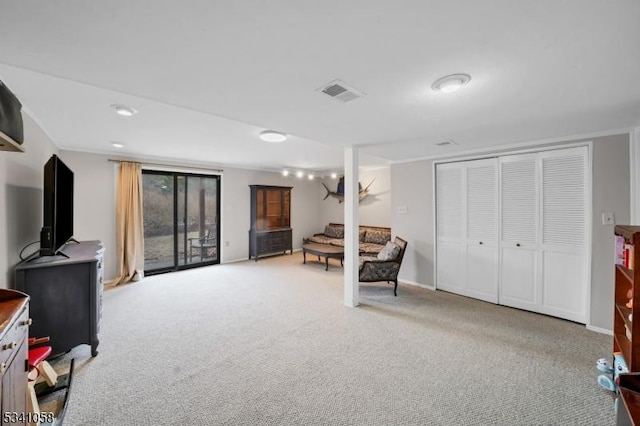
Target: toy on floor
[
  {"x": 619, "y": 366},
  {"x": 606, "y": 379},
  {"x": 43, "y": 380},
  {"x": 604, "y": 366},
  {"x": 610, "y": 377}
]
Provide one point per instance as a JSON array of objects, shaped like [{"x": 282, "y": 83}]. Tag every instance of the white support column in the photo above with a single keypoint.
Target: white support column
[
  {"x": 351, "y": 223},
  {"x": 634, "y": 158}
]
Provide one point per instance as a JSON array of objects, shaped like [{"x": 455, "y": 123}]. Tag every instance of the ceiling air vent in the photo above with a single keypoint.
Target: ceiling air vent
[{"x": 340, "y": 91}]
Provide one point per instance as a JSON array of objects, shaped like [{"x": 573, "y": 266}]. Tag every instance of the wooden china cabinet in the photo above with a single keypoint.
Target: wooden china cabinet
[{"x": 270, "y": 231}]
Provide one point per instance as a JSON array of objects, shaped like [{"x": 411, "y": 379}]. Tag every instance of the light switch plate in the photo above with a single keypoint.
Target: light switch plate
[{"x": 608, "y": 219}]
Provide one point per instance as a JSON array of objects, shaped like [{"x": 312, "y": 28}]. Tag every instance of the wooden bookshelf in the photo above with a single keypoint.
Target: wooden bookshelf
[
  {"x": 628, "y": 412},
  {"x": 626, "y": 331}
]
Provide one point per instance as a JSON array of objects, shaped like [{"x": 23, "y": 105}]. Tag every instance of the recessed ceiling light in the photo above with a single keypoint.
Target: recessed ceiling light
[
  {"x": 117, "y": 145},
  {"x": 334, "y": 175},
  {"x": 311, "y": 176},
  {"x": 285, "y": 173},
  {"x": 300, "y": 174},
  {"x": 124, "y": 110},
  {"x": 272, "y": 136},
  {"x": 450, "y": 83}
]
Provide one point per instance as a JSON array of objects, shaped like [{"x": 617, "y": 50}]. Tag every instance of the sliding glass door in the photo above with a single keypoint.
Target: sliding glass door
[{"x": 181, "y": 220}]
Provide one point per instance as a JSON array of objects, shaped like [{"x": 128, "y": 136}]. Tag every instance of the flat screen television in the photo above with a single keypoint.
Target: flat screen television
[{"x": 57, "y": 220}]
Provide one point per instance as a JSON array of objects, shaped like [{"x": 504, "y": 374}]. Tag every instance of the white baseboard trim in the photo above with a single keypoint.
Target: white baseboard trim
[
  {"x": 413, "y": 283},
  {"x": 600, "y": 330},
  {"x": 242, "y": 259}
]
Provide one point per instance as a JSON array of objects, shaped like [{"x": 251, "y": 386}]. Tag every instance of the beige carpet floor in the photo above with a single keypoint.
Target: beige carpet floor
[{"x": 271, "y": 343}]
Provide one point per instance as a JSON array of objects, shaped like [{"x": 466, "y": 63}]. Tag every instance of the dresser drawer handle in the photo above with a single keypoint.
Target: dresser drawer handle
[
  {"x": 10, "y": 345},
  {"x": 27, "y": 322}
]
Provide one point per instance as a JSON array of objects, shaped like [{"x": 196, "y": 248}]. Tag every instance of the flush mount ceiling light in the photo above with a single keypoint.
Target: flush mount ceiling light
[
  {"x": 117, "y": 144},
  {"x": 450, "y": 83},
  {"x": 334, "y": 175},
  {"x": 300, "y": 174},
  {"x": 311, "y": 176},
  {"x": 272, "y": 136},
  {"x": 124, "y": 110},
  {"x": 285, "y": 173}
]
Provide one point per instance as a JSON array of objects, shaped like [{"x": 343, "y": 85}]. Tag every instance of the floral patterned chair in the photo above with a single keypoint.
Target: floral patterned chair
[{"x": 385, "y": 266}]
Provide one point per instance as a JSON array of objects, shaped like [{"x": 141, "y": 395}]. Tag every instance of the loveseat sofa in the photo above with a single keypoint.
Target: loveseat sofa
[{"x": 372, "y": 239}]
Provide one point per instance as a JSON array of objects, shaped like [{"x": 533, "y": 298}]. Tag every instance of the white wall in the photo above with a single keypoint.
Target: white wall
[
  {"x": 94, "y": 210},
  {"x": 21, "y": 194},
  {"x": 305, "y": 206},
  {"x": 412, "y": 186},
  {"x": 634, "y": 145},
  {"x": 374, "y": 210},
  {"x": 94, "y": 202},
  {"x": 611, "y": 182}
]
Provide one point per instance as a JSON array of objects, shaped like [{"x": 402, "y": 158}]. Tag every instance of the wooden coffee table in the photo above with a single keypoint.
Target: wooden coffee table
[{"x": 323, "y": 250}]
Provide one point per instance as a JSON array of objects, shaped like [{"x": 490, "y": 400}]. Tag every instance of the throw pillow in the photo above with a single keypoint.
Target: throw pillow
[
  {"x": 377, "y": 236},
  {"x": 389, "y": 252},
  {"x": 334, "y": 231}
]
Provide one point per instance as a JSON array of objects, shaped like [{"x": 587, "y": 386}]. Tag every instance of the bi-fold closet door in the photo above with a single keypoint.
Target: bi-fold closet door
[
  {"x": 467, "y": 228},
  {"x": 513, "y": 230}
]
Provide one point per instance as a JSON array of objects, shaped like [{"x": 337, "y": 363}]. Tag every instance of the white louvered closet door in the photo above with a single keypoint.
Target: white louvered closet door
[
  {"x": 449, "y": 202},
  {"x": 481, "y": 229},
  {"x": 564, "y": 220},
  {"x": 518, "y": 282},
  {"x": 515, "y": 231}
]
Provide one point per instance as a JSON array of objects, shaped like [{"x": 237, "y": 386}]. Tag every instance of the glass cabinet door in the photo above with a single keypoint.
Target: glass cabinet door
[
  {"x": 261, "y": 220},
  {"x": 274, "y": 209},
  {"x": 286, "y": 209}
]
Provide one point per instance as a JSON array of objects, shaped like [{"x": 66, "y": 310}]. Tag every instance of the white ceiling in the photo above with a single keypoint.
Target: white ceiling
[{"x": 207, "y": 76}]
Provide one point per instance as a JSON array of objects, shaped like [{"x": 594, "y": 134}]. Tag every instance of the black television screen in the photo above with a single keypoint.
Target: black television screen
[{"x": 57, "y": 226}]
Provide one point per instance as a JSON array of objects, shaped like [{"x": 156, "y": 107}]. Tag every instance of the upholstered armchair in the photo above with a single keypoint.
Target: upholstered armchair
[{"x": 385, "y": 266}]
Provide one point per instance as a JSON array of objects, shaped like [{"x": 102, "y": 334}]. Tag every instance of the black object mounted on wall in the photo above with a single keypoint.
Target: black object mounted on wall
[{"x": 10, "y": 115}]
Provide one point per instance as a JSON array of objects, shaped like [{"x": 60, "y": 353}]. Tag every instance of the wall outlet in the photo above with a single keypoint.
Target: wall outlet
[
  {"x": 608, "y": 219},
  {"x": 402, "y": 210}
]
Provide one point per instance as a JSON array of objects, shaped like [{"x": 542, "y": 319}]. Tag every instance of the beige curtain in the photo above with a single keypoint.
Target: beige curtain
[{"x": 129, "y": 224}]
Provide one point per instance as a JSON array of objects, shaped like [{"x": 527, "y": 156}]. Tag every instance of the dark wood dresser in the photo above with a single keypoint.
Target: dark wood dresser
[
  {"x": 14, "y": 332},
  {"x": 270, "y": 231},
  {"x": 66, "y": 295}
]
